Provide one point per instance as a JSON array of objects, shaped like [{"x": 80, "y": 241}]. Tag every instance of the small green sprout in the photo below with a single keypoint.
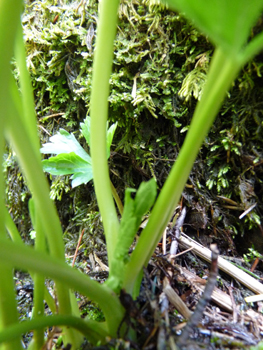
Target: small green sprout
[{"x": 71, "y": 158}]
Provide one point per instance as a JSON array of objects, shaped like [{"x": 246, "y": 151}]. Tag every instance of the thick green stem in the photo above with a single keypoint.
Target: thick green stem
[
  {"x": 99, "y": 113},
  {"x": 24, "y": 257},
  {"x": 8, "y": 306},
  {"x": 17, "y": 134},
  {"x": 222, "y": 72},
  {"x": 10, "y": 10}
]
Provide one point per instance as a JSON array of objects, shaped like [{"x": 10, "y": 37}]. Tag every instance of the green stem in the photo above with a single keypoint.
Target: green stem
[
  {"x": 24, "y": 257},
  {"x": 93, "y": 330},
  {"x": 49, "y": 300},
  {"x": 29, "y": 115},
  {"x": 15, "y": 236},
  {"x": 38, "y": 309},
  {"x": 222, "y": 72},
  {"x": 252, "y": 48},
  {"x": 8, "y": 305},
  {"x": 18, "y": 136},
  {"x": 11, "y": 228},
  {"x": 116, "y": 198},
  {"x": 39, "y": 281},
  {"x": 10, "y": 12},
  {"x": 99, "y": 113}
]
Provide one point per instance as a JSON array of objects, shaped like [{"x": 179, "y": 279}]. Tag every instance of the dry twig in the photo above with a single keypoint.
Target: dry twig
[
  {"x": 198, "y": 313},
  {"x": 223, "y": 265}
]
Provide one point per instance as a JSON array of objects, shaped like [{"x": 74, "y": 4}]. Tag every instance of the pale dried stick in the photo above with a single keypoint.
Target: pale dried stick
[
  {"x": 77, "y": 249},
  {"x": 223, "y": 265},
  {"x": 176, "y": 300}
]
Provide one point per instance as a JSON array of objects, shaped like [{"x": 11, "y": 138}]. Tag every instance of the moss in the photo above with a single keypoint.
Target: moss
[{"x": 159, "y": 68}]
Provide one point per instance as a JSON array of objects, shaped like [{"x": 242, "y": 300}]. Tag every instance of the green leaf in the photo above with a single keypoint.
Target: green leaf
[
  {"x": 64, "y": 142},
  {"x": 226, "y": 22},
  {"x": 125, "y": 238},
  {"x": 133, "y": 211},
  {"x": 32, "y": 211},
  {"x": 110, "y": 134},
  {"x": 71, "y": 158},
  {"x": 128, "y": 227},
  {"x": 85, "y": 129},
  {"x": 67, "y": 164},
  {"x": 145, "y": 198}
]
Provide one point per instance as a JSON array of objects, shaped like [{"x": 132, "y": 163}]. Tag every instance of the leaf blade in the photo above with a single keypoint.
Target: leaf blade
[
  {"x": 64, "y": 142},
  {"x": 69, "y": 164},
  {"x": 227, "y": 23},
  {"x": 110, "y": 134}
]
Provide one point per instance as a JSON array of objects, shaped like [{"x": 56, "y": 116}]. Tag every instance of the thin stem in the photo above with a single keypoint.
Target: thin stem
[
  {"x": 203, "y": 301},
  {"x": 93, "y": 330},
  {"x": 116, "y": 198},
  {"x": 24, "y": 257},
  {"x": 222, "y": 72},
  {"x": 99, "y": 113},
  {"x": 252, "y": 48},
  {"x": 49, "y": 300},
  {"x": 11, "y": 228},
  {"x": 38, "y": 309},
  {"x": 29, "y": 115},
  {"x": 39, "y": 281},
  {"x": 15, "y": 236}
]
